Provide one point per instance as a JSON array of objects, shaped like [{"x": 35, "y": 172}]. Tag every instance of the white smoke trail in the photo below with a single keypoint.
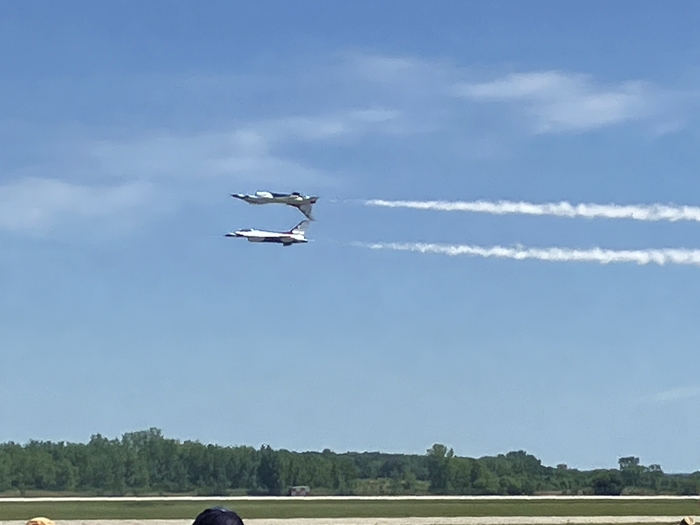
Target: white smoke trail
[
  {"x": 639, "y": 212},
  {"x": 599, "y": 255}
]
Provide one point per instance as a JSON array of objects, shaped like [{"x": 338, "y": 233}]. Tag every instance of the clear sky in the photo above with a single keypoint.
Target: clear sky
[{"x": 126, "y": 124}]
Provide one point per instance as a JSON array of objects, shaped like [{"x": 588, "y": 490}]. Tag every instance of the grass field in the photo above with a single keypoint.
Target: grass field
[{"x": 292, "y": 508}]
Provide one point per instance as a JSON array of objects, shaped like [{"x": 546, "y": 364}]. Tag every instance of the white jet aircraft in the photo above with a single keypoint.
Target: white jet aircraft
[
  {"x": 296, "y": 199},
  {"x": 293, "y": 236}
]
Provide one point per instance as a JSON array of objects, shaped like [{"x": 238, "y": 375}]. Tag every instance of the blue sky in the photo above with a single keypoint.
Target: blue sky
[{"x": 127, "y": 124}]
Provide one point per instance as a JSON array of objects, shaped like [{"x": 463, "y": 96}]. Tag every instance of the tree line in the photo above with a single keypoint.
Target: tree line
[{"x": 146, "y": 462}]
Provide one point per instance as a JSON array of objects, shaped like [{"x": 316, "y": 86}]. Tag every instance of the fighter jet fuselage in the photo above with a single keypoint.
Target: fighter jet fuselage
[
  {"x": 302, "y": 202},
  {"x": 293, "y": 236}
]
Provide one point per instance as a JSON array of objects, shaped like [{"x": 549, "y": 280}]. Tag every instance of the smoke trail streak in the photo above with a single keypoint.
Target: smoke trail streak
[
  {"x": 599, "y": 255},
  {"x": 639, "y": 212}
]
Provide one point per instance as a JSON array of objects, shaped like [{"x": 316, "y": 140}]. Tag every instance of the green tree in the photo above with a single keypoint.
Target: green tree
[
  {"x": 631, "y": 471},
  {"x": 269, "y": 470},
  {"x": 439, "y": 458},
  {"x": 344, "y": 474},
  {"x": 463, "y": 472},
  {"x": 607, "y": 483}
]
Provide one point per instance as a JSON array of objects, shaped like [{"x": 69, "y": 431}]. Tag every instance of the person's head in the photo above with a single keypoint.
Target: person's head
[{"x": 218, "y": 516}]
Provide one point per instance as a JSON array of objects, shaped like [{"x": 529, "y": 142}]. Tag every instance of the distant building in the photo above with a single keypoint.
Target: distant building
[{"x": 300, "y": 490}]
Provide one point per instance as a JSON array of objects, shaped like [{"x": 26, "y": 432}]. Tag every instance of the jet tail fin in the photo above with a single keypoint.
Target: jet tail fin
[
  {"x": 301, "y": 227},
  {"x": 306, "y": 210}
]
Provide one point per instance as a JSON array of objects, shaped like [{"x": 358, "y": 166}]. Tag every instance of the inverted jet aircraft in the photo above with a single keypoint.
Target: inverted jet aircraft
[
  {"x": 296, "y": 199},
  {"x": 293, "y": 236}
]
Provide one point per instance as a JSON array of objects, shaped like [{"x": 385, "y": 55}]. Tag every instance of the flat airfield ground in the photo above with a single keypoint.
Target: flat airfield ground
[{"x": 356, "y": 511}]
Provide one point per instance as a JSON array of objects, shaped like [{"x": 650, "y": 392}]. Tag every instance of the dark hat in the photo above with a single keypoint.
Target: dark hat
[{"x": 218, "y": 516}]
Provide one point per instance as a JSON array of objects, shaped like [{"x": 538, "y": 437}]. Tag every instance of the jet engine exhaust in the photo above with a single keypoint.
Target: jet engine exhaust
[
  {"x": 638, "y": 212},
  {"x": 659, "y": 257}
]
